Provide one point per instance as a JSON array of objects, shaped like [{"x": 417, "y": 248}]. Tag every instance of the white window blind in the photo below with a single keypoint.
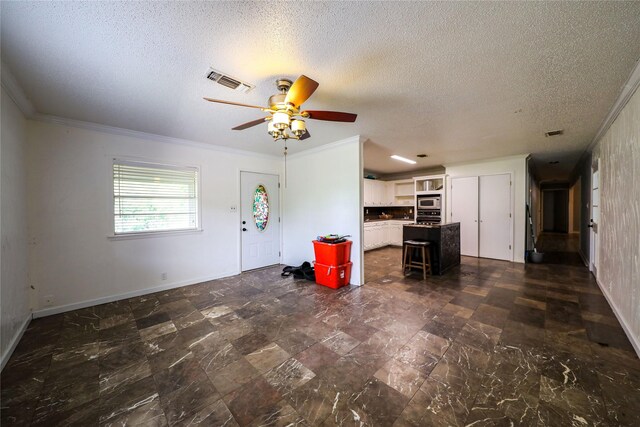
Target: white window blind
[{"x": 149, "y": 197}]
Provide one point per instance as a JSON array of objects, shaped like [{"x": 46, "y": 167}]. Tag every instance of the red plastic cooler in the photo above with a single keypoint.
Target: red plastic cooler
[
  {"x": 332, "y": 264},
  {"x": 332, "y": 253},
  {"x": 333, "y": 276}
]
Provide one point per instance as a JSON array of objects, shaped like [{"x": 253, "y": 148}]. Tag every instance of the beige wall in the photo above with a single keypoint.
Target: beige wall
[
  {"x": 619, "y": 228},
  {"x": 14, "y": 293}
]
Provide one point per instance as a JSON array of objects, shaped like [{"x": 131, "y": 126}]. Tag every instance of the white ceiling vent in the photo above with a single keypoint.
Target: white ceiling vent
[{"x": 228, "y": 81}]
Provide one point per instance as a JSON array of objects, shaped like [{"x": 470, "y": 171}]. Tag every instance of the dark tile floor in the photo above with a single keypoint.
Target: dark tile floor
[{"x": 490, "y": 343}]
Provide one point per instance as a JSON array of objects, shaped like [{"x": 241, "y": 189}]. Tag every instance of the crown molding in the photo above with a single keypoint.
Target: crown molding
[
  {"x": 96, "y": 127},
  {"x": 627, "y": 91},
  {"x": 345, "y": 141},
  {"x": 490, "y": 160},
  {"x": 15, "y": 92}
]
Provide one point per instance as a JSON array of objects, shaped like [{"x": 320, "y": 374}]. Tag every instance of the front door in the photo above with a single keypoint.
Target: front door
[{"x": 260, "y": 220}]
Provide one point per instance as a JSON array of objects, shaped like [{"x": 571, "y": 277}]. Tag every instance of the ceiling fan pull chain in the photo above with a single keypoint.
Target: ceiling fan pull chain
[{"x": 285, "y": 163}]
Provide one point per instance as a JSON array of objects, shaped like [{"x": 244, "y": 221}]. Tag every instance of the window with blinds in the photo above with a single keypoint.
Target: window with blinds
[{"x": 149, "y": 197}]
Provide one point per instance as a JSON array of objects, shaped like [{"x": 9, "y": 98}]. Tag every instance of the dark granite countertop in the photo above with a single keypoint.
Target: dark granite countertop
[
  {"x": 446, "y": 224},
  {"x": 384, "y": 220}
]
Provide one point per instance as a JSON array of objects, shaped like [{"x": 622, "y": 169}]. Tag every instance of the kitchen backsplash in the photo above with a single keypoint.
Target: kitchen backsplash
[{"x": 398, "y": 212}]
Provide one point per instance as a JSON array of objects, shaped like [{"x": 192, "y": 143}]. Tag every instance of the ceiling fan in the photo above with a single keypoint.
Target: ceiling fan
[{"x": 285, "y": 120}]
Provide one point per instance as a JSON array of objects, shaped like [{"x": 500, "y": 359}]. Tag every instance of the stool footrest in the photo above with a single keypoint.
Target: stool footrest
[{"x": 424, "y": 264}]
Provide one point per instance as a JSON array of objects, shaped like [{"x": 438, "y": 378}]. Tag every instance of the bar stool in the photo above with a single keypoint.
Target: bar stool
[{"x": 409, "y": 246}]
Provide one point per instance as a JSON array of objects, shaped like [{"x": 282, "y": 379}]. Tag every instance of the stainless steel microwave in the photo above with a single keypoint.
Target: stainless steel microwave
[{"x": 429, "y": 202}]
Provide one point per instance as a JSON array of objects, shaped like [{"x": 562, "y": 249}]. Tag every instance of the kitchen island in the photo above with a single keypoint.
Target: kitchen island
[{"x": 445, "y": 243}]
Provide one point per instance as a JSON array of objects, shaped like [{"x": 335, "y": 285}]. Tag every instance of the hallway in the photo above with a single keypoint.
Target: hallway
[{"x": 560, "y": 248}]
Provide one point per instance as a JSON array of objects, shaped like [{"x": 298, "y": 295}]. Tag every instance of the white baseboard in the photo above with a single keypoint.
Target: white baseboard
[
  {"x": 14, "y": 342},
  {"x": 90, "y": 303},
  {"x": 584, "y": 258},
  {"x": 635, "y": 341}
]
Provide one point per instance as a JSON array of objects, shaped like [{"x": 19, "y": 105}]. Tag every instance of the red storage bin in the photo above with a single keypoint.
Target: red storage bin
[
  {"x": 332, "y": 253},
  {"x": 333, "y": 276}
]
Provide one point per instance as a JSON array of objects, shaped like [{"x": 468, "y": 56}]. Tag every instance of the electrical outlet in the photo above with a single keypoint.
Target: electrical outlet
[
  {"x": 163, "y": 276},
  {"x": 48, "y": 300}
]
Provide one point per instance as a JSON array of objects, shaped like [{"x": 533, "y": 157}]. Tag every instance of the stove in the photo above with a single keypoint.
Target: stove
[{"x": 428, "y": 216}]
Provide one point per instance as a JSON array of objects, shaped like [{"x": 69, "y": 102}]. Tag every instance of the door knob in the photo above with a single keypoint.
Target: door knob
[
  {"x": 244, "y": 222},
  {"x": 244, "y": 229}
]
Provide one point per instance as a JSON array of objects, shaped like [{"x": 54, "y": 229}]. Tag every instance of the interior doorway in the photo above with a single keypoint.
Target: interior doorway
[
  {"x": 260, "y": 220},
  {"x": 595, "y": 217},
  {"x": 555, "y": 210}
]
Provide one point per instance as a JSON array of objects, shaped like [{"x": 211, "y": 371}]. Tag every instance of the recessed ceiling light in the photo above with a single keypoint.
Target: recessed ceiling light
[
  {"x": 403, "y": 159},
  {"x": 554, "y": 132},
  {"x": 422, "y": 156}
]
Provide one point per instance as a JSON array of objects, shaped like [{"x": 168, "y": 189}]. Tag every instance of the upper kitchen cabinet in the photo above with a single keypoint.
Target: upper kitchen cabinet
[
  {"x": 376, "y": 193},
  {"x": 388, "y": 193}
]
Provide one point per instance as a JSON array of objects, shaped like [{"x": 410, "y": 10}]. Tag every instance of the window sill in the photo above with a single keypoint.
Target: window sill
[{"x": 147, "y": 234}]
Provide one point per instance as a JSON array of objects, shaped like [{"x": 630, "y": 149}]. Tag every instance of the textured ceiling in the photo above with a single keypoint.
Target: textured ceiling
[{"x": 458, "y": 81}]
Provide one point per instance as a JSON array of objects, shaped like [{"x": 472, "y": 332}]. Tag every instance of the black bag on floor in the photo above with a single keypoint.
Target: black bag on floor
[{"x": 303, "y": 271}]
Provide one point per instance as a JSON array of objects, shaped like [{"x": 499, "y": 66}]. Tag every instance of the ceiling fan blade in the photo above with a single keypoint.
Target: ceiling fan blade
[
  {"x": 305, "y": 135},
  {"x": 332, "y": 116},
  {"x": 301, "y": 90},
  {"x": 249, "y": 124},
  {"x": 219, "y": 101}
]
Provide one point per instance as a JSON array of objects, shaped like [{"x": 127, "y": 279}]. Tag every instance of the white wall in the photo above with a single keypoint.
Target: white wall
[
  {"x": 619, "y": 226},
  {"x": 14, "y": 294},
  {"x": 323, "y": 195},
  {"x": 517, "y": 166},
  {"x": 71, "y": 258}
]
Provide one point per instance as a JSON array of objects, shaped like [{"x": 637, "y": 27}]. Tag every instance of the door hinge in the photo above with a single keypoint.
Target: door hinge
[
  {"x": 278, "y": 185},
  {"x": 509, "y": 215},
  {"x": 279, "y": 253},
  {"x": 278, "y": 219},
  {"x": 509, "y": 247}
]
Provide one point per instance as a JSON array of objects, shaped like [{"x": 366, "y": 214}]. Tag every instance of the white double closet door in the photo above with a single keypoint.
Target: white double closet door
[{"x": 482, "y": 206}]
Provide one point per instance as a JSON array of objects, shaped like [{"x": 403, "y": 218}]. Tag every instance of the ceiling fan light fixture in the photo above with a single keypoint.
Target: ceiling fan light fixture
[
  {"x": 273, "y": 131},
  {"x": 285, "y": 120},
  {"x": 403, "y": 159},
  {"x": 281, "y": 120},
  {"x": 298, "y": 127}
]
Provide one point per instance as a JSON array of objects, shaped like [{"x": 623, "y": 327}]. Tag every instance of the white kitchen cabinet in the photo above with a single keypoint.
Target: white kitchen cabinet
[
  {"x": 382, "y": 233},
  {"x": 373, "y": 235},
  {"x": 367, "y": 190},
  {"x": 368, "y": 237},
  {"x": 388, "y": 193},
  {"x": 379, "y": 191},
  {"x": 378, "y": 235},
  {"x": 395, "y": 233},
  {"x": 376, "y": 193}
]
